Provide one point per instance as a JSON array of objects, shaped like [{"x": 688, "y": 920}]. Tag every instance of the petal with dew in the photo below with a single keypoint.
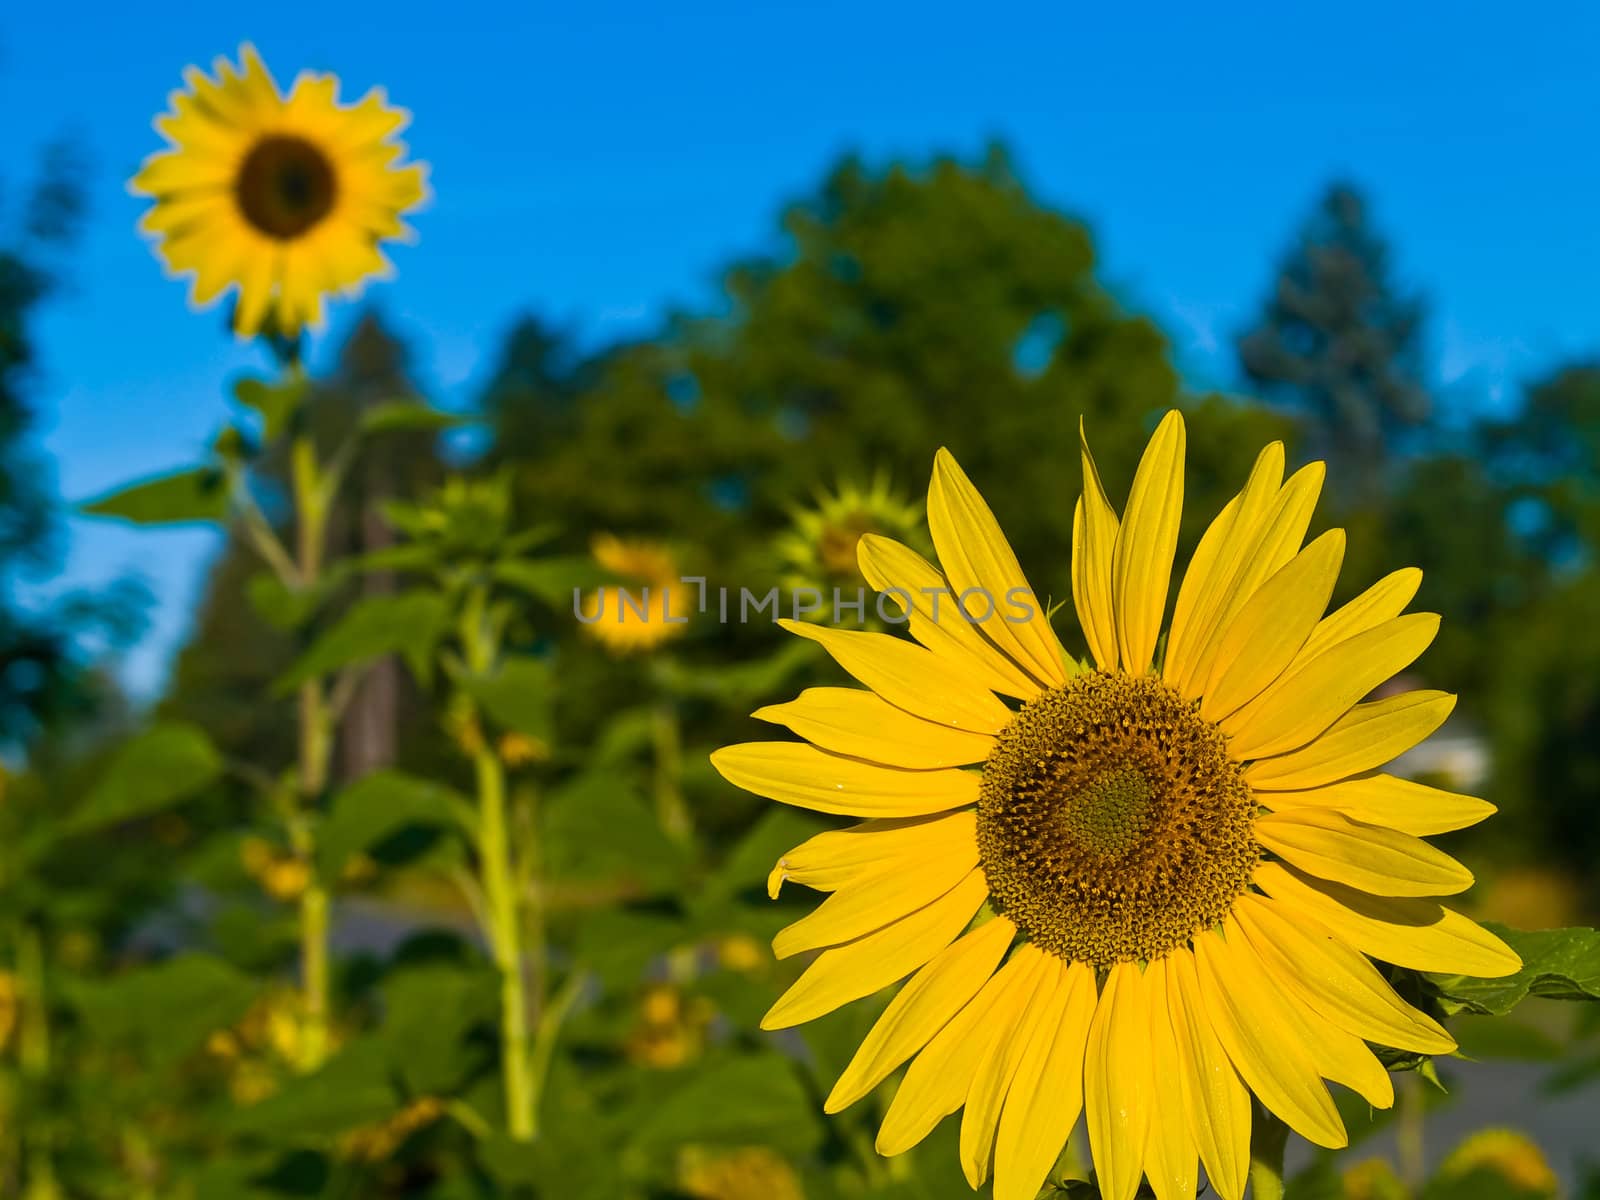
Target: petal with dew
[
  {"x": 975, "y": 555},
  {"x": 1368, "y": 736},
  {"x": 1094, "y": 538},
  {"x": 1278, "y": 1069},
  {"x": 910, "y": 677},
  {"x": 993, "y": 1078},
  {"x": 896, "y": 891},
  {"x": 1212, "y": 569},
  {"x": 937, "y": 1082},
  {"x": 934, "y": 618},
  {"x": 1212, "y": 1094},
  {"x": 1330, "y": 845},
  {"x": 801, "y": 775},
  {"x": 1307, "y": 700},
  {"x": 1046, "y": 1094},
  {"x": 861, "y": 967},
  {"x": 924, "y": 1006},
  {"x": 1141, "y": 563},
  {"x": 1408, "y": 932},
  {"x": 1117, "y": 1085},
  {"x": 1270, "y": 629},
  {"x": 1336, "y": 980},
  {"x": 864, "y": 725},
  {"x": 1171, "y": 1158},
  {"x": 1402, "y": 804}
]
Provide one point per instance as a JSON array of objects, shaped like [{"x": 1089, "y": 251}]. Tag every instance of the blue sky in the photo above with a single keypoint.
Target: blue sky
[{"x": 596, "y": 163}]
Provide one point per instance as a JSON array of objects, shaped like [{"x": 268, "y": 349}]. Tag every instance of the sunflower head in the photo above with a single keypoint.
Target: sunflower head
[
  {"x": 283, "y": 197},
  {"x": 1140, "y": 888},
  {"x": 819, "y": 548},
  {"x": 649, "y": 608}
]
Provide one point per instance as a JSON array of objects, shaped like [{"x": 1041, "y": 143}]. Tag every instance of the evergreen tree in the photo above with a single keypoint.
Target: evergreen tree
[{"x": 1338, "y": 345}]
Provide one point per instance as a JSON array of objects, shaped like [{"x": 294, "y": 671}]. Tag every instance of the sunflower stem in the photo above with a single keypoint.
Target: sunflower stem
[
  {"x": 672, "y": 812},
  {"x": 1268, "y": 1137}
]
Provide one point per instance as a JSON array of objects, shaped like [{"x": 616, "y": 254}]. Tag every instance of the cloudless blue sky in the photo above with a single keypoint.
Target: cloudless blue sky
[{"x": 596, "y": 163}]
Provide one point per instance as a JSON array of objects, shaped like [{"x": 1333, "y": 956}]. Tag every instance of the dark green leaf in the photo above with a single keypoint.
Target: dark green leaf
[
  {"x": 618, "y": 945},
  {"x": 283, "y": 607},
  {"x": 1559, "y": 964},
  {"x": 355, "y": 1088},
  {"x": 380, "y": 805},
  {"x": 373, "y": 627},
  {"x": 157, "y": 769},
  {"x": 597, "y": 827},
  {"x": 180, "y": 498},
  {"x": 402, "y": 416},
  {"x": 553, "y": 580},
  {"x": 276, "y": 402},
  {"x": 428, "y": 1012},
  {"x": 519, "y": 695},
  {"x": 166, "y": 1011},
  {"x": 755, "y": 1099}
]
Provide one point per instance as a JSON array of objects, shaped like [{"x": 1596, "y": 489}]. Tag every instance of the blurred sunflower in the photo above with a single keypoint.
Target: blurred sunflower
[
  {"x": 284, "y": 197},
  {"x": 819, "y": 548},
  {"x": 651, "y": 608},
  {"x": 1150, "y": 947}
]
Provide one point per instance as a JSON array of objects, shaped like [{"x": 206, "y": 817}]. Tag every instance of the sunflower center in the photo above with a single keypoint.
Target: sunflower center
[
  {"x": 1112, "y": 825},
  {"x": 285, "y": 186}
]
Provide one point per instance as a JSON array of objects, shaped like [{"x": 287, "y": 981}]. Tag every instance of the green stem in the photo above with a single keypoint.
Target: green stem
[
  {"x": 672, "y": 812},
  {"x": 1268, "y": 1137},
  {"x": 34, "y": 1058},
  {"x": 1409, "y": 1130},
  {"x": 505, "y": 941},
  {"x": 550, "y": 1022}
]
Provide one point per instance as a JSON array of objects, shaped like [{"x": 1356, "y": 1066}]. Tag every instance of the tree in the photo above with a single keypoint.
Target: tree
[{"x": 1338, "y": 345}]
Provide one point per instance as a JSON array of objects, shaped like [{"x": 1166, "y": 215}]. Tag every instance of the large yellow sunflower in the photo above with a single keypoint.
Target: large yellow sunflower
[
  {"x": 1160, "y": 893},
  {"x": 284, "y": 197}
]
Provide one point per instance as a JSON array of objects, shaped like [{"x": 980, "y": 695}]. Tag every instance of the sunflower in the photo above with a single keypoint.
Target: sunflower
[
  {"x": 1163, "y": 890},
  {"x": 284, "y": 197},
  {"x": 641, "y": 615}
]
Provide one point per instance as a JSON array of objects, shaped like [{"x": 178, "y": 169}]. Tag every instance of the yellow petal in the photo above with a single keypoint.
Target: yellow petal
[
  {"x": 1171, "y": 1158},
  {"x": 861, "y": 967},
  {"x": 936, "y": 620},
  {"x": 1267, "y": 544},
  {"x": 1335, "y": 980},
  {"x": 1211, "y": 572},
  {"x": 842, "y": 857},
  {"x": 1094, "y": 538},
  {"x": 1383, "y": 601},
  {"x": 1399, "y": 804},
  {"x": 975, "y": 555},
  {"x": 1117, "y": 1086},
  {"x": 1141, "y": 563},
  {"x": 864, "y": 725},
  {"x": 1277, "y": 1067},
  {"x": 1335, "y": 1054},
  {"x": 798, "y": 774},
  {"x": 1419, "y": 934},
  {"x": 896, "y": 891},
  {"x": 1209, "y": 1088},
  {"x": 937, "y": 1082},
  {"x": 1307, "y": 700},
  {"x": 992, "y": 1080},
  {"x": 1368, "y": 736},
  {"x": 1329, "y": 845},
  {"x": 933, "y": 996},
  {"x": 1047, "y": 1091},
  {"x": 1272, "y": 626},
  {"x": 910, "y": 677}
]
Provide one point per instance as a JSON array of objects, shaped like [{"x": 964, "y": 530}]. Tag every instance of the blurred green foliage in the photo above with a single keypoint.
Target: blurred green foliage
[{"x": 549, "y": 916}]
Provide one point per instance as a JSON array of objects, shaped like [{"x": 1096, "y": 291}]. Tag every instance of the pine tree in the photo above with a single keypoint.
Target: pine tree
[{"x": 1338, "y": 345}]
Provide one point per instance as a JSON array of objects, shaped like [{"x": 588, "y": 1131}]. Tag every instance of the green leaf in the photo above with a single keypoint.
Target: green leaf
[
  {"x": 755, "y": 1099},
  {"x": 155, "y": 770},
  {"x": 429, "y": 1010},
  {"x": 597, "y": 827},
  {"x": 744, "y": 872},
  {"x": 284, "y": 607},
  {"x": 553, "y": 580},
  {"x": 519, "y": 695},
  {"x": 380, "y": 805},
  {"x": 378, "y": 625},
  {"x": 353, "y": 1089},
  {"x": 619, "y": 944},
  {"x": 276, "y": 402},
  {"x": 200, "y": 494},
  {"x": 1558, "y": 964},
  {"x": 165, "y": 1012},
  {"x": 403, "y": 416}
]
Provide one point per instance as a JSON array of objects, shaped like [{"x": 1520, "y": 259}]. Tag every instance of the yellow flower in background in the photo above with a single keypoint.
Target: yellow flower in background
[
  {"x": 750, "y": 1173},
  {"x": 1514, "y": 1157},
  {"x": 1159, "y": 893},
  {"x": 819, "y": 550},
  {"x": 284, "y": 197},
  {"x": 651, "y": 608}
]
